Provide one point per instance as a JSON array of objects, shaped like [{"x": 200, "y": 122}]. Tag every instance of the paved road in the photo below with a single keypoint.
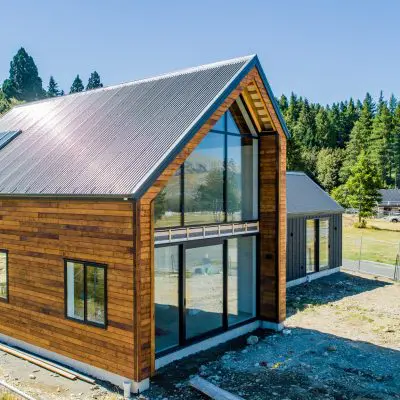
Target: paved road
[{"x": 370, "y": 267}]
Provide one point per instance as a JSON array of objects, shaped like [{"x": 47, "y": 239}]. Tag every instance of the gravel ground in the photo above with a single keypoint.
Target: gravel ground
[{"x": 342, "y": 341}]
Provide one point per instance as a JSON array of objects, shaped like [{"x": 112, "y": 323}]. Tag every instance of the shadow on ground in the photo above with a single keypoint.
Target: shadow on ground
[
  {"x": 303, "y": 365},
  {"x": 331, "y": 288}
]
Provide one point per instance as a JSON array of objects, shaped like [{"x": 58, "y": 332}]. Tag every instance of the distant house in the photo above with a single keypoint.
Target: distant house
[
  {"x": 143, "y": 222},
  {"x": 314, "y": 230},
  {"x": 390, "y": 202}
]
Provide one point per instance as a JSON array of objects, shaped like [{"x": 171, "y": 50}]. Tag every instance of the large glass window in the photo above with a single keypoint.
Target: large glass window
[
  {"x": 204, "y": 182},
  {"x": 242, "y": 178},
  {"x": 166, "y": 269},
  {"x": 310, "y": 245},
  {"x": 86, "y": 292},
  {"x": 167, "y": 206},
  {"x": 3, "y": 275},
  {"x": 204, "y": 289},
  {"x": 220, "y": 180},
  {"x": 241, "y": 279},
  {"x": 323, "y": 244}
]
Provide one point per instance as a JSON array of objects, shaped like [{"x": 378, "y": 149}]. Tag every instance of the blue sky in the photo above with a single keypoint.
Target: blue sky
[{"x": 326, "y": 50}]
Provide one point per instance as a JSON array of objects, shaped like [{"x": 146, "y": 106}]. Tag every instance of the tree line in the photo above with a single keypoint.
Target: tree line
[
  {"x": 24, "y": 83},
  {"x": 351, "y": 148}
]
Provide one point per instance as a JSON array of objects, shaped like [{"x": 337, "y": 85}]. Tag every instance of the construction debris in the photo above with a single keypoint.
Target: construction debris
[{"x": 212, "y": 391}]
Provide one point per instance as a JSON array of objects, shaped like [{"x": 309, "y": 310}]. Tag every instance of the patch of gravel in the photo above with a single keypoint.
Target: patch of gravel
[{"x": 340, "y": 343}]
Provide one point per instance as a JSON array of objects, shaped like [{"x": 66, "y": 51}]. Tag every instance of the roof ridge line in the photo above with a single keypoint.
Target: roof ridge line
[{"x": 165, "y": 75}]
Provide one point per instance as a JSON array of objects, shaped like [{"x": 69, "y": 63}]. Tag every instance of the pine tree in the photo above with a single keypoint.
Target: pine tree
[
  {"x": 381, "y": 102},
  {"x": 329, "y": 162},
  {"x": 350, "y": 118},
  {"x": 360, "y": 136},
  {"x": 305, "y": 129},
  {"x": 94, "y": 81},
  {"x": 392, "y": 104},
  {"x": 24, "y": 83},
  {"x": 324, "y": 134},
  {"x": 52, "y": 89},
  {"x": 292, "y": 112},
  {"x": 283, "y": 104},
  {"x": 362, "y": 188},
  {"x": 396, "y": 146},
  {"x": 380, "y": 148},
  {"x": 77, "y": 85}
]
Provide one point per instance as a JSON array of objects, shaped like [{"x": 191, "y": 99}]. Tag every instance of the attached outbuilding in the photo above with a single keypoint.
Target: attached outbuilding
[
  {"x": 143, "y": 222},
  {"x": 314, "y": 230}
]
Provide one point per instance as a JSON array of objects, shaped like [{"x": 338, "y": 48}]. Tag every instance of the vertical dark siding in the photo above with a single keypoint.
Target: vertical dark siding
[
  {"x": 296, "y": 244},
  {"x": 296, "y": 248}
]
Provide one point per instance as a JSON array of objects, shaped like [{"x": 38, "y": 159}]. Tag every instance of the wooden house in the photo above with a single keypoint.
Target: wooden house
[{"x": 143, "y": 222}]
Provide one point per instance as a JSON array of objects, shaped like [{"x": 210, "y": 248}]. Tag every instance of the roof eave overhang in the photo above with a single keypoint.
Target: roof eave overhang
[{"x": 313, "y": 213}]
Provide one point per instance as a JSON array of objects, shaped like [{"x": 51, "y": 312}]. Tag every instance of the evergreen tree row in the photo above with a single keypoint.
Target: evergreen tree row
[
  {"x": 327, "y": 141},
  {"x": 25, "y": 84}
]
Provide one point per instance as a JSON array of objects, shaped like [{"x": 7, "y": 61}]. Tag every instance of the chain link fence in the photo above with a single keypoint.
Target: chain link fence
[{"x": 366, "y": 254}]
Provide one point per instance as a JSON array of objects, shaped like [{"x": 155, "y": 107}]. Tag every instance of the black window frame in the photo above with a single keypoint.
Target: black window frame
[
  {"x": 85, "y": 264},
  {"x": 226, "y": 327},
  {"x": 7, "y": 298},
  {"x": 225, "y": 133},
  {"x": 317, "y": 238}
]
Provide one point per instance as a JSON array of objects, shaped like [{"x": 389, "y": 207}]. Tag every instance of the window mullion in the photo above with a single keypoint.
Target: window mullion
[
  {"x": 84, "y": 293},
  {"x": 225, "y": 178}
]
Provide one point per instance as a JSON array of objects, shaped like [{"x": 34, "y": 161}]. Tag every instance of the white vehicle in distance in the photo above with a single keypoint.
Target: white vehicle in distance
[{"x": 393, "y": 218}]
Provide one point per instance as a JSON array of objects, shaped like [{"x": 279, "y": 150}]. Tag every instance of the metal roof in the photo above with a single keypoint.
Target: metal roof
[
  {"x": 390, "y": 196},
  {"x": 304, "y": 196},
  {"x": 113, "y": 141},
  {"x": 7, "y": 136}
]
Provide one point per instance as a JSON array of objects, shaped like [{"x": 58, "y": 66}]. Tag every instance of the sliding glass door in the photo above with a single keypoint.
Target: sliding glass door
[
  {"x": 310, "y": 246},
  {"x": 317, "y": 244},
  {"x": 203, "y": 287}
]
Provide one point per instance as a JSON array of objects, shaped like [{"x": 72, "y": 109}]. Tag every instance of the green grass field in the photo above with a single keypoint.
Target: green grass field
[{"x": 379, "y": 242}]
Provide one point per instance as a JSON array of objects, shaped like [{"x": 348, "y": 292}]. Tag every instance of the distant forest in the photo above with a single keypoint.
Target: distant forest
[{"x": 326, "y": 143}]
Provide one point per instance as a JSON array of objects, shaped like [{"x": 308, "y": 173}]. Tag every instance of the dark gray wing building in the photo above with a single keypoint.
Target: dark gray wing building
[{"x": 314, "y": 230}]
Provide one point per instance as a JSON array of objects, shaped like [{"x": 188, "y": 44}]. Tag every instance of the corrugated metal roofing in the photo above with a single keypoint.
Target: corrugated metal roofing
[
  {"x": 304, "y": 196},
  {"x": 112, "y": 141},
  {"x": 390, "y": 196}
]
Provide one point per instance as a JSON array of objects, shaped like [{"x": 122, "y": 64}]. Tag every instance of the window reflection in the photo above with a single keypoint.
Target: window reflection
[
  {"x": 241, "y": 279},
  {"x": 204, "y": 177},
  {"x": 211, "y": 195},
  {"x": 166, "y": 268}
]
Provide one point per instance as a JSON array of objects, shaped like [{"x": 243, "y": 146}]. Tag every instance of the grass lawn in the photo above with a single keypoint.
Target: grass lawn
[{"x": 380, "y": 240}]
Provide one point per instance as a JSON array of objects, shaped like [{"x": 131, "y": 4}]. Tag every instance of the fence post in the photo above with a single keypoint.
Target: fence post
[{"x": 360, "y": 252}]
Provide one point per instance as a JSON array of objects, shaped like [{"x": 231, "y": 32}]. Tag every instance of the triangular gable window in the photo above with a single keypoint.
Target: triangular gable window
[
  {"x": 7, "y": 136},
  {"x": 231, "y": 124}
]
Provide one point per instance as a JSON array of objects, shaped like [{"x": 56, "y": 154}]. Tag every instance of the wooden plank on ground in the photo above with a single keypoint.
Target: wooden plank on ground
[
  {"x": 212, "y": 391},
  {"x": 35, "y": 361}
]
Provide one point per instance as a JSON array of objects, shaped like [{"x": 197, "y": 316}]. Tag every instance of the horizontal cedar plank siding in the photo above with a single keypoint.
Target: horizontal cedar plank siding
[
  {"x": 39, "y": 234},
  {"x": 145, "y": 235}
]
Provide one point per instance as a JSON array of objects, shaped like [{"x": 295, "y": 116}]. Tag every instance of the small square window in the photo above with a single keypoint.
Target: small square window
[
  {"x": 4, "y": 275},
  {"x": 85, "y": 286}
]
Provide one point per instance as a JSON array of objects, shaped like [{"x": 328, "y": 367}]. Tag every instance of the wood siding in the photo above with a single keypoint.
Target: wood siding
[
  {"x": 270, "y": 309},
  {"x": 39, "y": 234},
  {"x": 273, "y": 228}
]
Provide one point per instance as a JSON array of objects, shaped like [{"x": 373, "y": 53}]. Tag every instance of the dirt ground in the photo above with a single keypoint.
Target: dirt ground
[{"x": 342, "y": 341}]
